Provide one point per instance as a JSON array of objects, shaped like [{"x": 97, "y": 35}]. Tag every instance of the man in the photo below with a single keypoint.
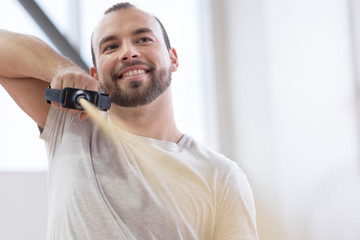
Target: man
[{"x": 152, "y": 182}]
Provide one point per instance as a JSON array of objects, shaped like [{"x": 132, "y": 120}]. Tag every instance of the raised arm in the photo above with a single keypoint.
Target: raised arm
[{"x": 28, "y": 66}]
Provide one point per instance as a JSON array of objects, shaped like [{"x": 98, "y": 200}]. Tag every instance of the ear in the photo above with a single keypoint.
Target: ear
[
  {"x": 174, "y": 59},
  {"x": 93, "y": 73}
]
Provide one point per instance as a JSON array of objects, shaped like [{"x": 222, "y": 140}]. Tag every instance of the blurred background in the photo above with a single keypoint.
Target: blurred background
[{"x": 272, "y": 84}]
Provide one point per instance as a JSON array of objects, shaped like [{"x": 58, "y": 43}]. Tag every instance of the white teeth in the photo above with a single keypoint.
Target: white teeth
[{"x": 133, "y": 72}]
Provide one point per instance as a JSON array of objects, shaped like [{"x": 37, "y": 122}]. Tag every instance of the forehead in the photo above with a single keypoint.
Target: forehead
[{"x": 123, "y": 22}]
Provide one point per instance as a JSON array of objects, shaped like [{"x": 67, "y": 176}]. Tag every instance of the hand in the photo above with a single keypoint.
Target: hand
[{"x": 74, "y": 77}]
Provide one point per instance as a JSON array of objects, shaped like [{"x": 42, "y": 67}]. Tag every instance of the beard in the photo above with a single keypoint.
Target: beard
[{"x": 138, "y": 93}]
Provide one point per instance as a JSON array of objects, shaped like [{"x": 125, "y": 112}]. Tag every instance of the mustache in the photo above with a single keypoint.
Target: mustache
[{"x": 116, "y": 71}]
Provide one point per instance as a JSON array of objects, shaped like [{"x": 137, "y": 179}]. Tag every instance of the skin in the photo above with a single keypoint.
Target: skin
[
  {"x": 121, "y": 38},
  {"x": 28, "y": 66}
]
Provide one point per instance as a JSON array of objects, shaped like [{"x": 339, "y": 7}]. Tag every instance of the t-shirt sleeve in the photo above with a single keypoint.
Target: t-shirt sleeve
[
  {"x": 236, "y": 215},
  {"x": 56, "y": 120},
  {"x": 56, "y": 123}
]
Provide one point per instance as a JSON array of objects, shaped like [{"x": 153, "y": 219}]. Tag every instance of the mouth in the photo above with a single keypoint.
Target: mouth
[{"x": 134, "y": 71}]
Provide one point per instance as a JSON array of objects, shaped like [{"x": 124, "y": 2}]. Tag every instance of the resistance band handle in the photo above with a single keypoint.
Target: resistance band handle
[{"x": 69, "y": 98}]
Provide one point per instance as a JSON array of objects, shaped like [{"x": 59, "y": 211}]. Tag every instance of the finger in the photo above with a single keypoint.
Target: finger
[
  {"x": 56, "y": 83},
  {"x": 83, "y": 116},
  {"x": 73, "y": 111},
  {"x": 86, "y": 82},
  {"x": 64, "y": 109},
  {"x": 55, "y": 104}
]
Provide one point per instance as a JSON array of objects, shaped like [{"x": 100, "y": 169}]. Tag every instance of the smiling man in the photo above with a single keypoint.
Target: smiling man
[
  {"x": 152, "y": 181},
  {"x": 140, "y": 73}
]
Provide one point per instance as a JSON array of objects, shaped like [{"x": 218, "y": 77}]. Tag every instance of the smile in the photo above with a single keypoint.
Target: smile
[{"x": 133, "y": 73}]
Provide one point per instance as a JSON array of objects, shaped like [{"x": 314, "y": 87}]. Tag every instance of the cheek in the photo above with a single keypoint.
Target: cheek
[
  {"x": 162, "y": 60},
  {"x": 105, "y": 68},
  {"x": 158, "y": 56}
]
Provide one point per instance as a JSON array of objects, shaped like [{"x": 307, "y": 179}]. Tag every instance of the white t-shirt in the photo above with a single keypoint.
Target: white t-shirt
[{"x": 141, "y": 188}]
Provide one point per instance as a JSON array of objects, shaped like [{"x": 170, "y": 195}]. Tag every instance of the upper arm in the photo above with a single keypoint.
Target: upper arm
[
  {"x": 236, "y": 210},
  {"x": 29, "y": 96}
]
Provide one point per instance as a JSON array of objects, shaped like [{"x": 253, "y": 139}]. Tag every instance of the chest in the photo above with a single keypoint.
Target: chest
[{"x": 141, "y": 187}]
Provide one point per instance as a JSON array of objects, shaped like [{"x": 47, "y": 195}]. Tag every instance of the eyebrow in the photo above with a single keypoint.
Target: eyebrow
[
  {"x": 134, "y": 33},
  {"x": 142, "y": 30},
  {"x": 107, "y": 39}
]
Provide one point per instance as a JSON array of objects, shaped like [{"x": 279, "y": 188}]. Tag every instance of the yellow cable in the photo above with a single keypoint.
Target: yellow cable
[{"x": 97, "y": 117}]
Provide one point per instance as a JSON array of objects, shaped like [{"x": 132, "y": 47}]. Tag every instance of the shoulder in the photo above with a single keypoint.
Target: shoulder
[
  {"x": 207, "y": 155},
  {"x": 207, "y": 159}
]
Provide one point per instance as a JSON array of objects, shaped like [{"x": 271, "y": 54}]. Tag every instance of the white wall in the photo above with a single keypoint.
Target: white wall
[
  {"x": 291, "y": 102},
  {"x": 23, "y": 207}
]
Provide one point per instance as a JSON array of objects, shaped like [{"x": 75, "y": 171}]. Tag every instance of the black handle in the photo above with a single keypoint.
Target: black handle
[{"x": 69, "y": 98}]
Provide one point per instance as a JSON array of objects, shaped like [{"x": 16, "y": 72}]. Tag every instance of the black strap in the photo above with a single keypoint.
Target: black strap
[
  {"x": 53, "y": 95},
  {"x": 104, "y": 101},
  {"x": 69, "y": 98}
]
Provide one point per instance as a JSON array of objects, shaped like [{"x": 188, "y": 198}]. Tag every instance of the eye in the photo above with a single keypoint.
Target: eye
[
  {"x": 144, "y": 40},
  {"x": 110, "y": 47}
]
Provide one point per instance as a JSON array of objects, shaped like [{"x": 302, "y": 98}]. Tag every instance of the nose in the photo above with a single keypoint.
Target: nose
[{"x": 128, "y": 52}]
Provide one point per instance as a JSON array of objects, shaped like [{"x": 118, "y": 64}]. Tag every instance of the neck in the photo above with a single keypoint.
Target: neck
[{"x": 154, "y": 120}]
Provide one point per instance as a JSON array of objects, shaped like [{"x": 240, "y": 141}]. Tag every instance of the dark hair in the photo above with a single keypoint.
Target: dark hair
[
  {"x": 127, "y": 5},
  {"x": 119, "y": 6}
]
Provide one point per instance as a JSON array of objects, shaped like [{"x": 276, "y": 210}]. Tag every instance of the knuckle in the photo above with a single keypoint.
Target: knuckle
[{"x": 75, "y": 78}]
